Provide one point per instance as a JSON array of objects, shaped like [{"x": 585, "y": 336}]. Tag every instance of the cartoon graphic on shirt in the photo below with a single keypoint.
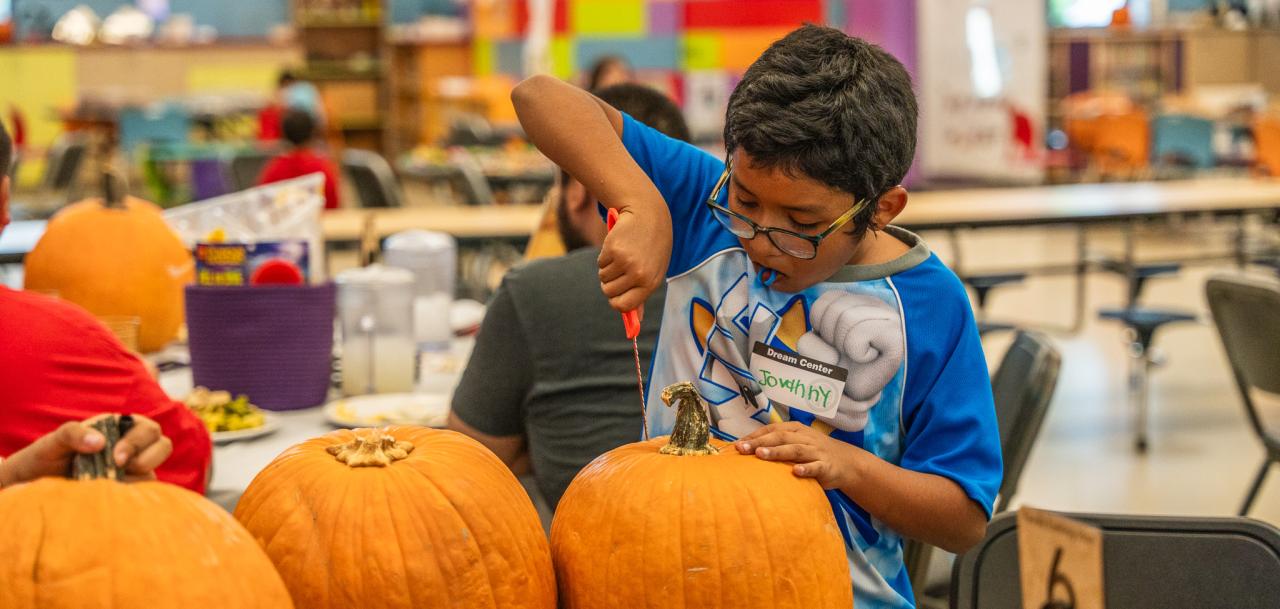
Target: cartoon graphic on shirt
[
  {"x": 863, "y": 335},
  {"x": 860, "y": 333}
]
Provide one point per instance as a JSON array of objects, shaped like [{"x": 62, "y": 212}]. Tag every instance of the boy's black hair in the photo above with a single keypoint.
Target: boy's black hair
[
  {"x": 298, "y": 126},
  {"x": 286, "y": 78},
  {"x": 824, "y": 105},
  {"x": 6, "y": 152},
  {"x": 649, "y": 106}
]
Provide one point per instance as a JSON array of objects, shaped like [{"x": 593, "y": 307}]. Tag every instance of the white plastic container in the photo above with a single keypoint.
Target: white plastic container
[
  {"x": 433, "y": 259},
  {"x": 379, "y": 353}
]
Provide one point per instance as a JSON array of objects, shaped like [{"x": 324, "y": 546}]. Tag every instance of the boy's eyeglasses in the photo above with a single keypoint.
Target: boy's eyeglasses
[{"x": 804, "y": 247}]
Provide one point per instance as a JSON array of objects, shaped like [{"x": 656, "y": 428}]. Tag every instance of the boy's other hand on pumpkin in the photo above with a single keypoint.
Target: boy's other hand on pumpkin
[
  {"x": 633, "y": 260},
  {"x": 140, "y": 451},
  {"x": 815, "y": 454}
]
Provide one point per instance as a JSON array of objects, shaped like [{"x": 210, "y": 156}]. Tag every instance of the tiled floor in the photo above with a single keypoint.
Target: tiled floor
[{"x": 1203, "y": 454}]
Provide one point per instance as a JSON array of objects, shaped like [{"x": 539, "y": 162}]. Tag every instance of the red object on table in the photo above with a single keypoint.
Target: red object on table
[
  {"x": 630, "y": 319},
  {"x": 59, "y": 364},
  {"x": 277, "y": 271},
  {"x": 269, "y": 124}
]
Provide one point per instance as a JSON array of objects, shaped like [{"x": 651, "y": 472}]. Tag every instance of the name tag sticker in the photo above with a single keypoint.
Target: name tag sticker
[{"x": 796, "y": 381}]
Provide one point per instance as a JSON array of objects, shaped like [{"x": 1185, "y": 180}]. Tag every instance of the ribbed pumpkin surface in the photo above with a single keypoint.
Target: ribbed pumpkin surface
[
  {"x": 448, "y": 526},
  {"x": 103, "y": 544},
  {"x": 638, "y": 529}
]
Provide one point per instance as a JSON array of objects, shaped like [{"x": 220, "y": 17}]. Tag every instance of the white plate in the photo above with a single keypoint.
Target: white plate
[
  {"x": 269, "y": 426},
  {"x": 426, "y": 409}
]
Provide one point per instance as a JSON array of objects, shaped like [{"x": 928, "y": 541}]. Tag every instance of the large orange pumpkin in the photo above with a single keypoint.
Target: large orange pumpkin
[
  {"x": 399, "y": 518},
  {"x": 686, "y": 521},
  {"x": 98, "y": 544},
  {"x": 116, "y": 260}
]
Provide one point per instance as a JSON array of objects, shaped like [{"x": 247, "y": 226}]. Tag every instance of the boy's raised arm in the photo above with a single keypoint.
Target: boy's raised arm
[{"x": 583, "y": 135}]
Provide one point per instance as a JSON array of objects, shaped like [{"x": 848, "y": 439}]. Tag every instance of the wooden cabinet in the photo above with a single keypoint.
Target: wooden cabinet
[
  {"x": 343, "y": 42},
  {"x": 417, "y": 112}
]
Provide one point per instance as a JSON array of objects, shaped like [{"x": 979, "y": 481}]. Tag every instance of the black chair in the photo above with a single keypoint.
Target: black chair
[
  {"x": 982, "y": 286},
  {"x": 1140, "y": 274},
  {"x": 1142, "y": 323},
  {"x": 63, "y": 162},
  {"x": 374, "y": 181},
  {"x": 1023, "y": 387},
  {"x": 473, "y": 185},
  {"x": 1150, "y": 562},
  {"x": 1247, "y": 314},
  {"x": 245, "y": 169}
]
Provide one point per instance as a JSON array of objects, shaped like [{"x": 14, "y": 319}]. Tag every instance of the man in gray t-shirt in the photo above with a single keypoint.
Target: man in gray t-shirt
[{"x": 551, "y": 383}]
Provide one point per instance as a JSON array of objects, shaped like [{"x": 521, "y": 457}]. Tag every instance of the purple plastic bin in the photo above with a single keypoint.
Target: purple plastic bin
[{"x": 271, "y": 343}]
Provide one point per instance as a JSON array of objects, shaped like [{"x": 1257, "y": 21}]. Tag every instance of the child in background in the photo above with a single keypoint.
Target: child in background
[
  {"x": 291, "y": 94},
  {"x": 608, "y": 71},
  {"x": 58, "y": 363},
  {"x": 786, "y": 250},
  {"x": 300, "y": 159}
]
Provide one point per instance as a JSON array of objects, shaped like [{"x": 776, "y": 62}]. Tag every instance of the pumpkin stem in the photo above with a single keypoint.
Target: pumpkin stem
[
  {"x": 102, "y": 464},
  {"x": 692, "y": 434},
  {"x": 375, "y": 449},
  {"x": 112, "y": 191}
]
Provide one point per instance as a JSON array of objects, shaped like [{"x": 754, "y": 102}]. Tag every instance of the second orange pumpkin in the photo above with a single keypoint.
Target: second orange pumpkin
[{"x": 399, "y": 518}]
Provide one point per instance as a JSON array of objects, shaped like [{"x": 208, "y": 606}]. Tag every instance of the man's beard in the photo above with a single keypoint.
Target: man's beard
[{"x": 568, "y": 234}]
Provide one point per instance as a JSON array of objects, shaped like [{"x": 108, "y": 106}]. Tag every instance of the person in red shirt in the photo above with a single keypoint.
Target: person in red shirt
[
  {"x": 299, "y": 129},
  {"x": 59, "y": 364}
]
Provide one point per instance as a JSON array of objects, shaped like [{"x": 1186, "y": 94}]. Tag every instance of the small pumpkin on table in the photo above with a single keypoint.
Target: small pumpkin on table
[{"x": 116, "y": 258}]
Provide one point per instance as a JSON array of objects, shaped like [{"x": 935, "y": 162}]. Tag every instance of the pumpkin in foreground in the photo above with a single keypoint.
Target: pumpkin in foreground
[
  {"x": 115, "y": 260},
  {"x": 685, "y": 521},
  {"x": 99, "y": 544},
  {"x": 399, "y": 518}
]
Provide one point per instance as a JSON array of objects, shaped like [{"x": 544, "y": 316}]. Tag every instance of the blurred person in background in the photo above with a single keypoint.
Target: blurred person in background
[
  {"x": 291, "y": 94},
  {"x": 301, "y": 158},
  {"x": 608, "y": 71}
]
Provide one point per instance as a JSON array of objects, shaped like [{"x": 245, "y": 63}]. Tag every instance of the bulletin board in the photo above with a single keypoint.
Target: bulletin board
[
  {"x": 983, "y": 87},
  {"x": 694, "y": 50}
]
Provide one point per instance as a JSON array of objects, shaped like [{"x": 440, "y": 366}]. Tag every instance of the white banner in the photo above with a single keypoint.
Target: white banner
[{"x": 983, "y": 79}]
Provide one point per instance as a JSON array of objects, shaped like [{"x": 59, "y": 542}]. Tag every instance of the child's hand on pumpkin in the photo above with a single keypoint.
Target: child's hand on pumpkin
[
  {"x": 815, "y": 454},
  {"x": 140, "y": 451}
]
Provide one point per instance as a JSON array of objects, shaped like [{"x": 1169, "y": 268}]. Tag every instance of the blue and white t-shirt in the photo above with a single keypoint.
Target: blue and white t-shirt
[{"x": 917, "y": 393}]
